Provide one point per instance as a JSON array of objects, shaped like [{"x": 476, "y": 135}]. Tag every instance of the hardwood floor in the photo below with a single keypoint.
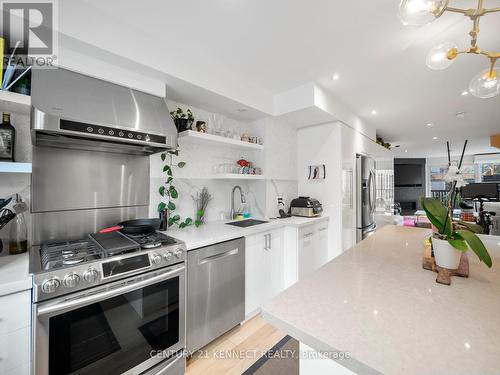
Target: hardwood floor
[{"x": 235, "y": 351}]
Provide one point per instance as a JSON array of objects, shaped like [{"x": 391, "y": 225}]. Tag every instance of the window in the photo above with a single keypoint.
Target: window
[
  {"x": 437, "y": 174},
  {"x": 489, "y": 172},
  {"x": 437, "y": 178}
]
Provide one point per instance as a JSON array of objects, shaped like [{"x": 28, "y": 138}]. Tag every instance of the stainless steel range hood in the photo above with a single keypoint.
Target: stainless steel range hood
[{"x": 76, "y": 111}]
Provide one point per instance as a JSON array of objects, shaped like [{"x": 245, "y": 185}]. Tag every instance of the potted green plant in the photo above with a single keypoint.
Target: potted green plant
[
  {"x": 452, "y": 238},
  {"x": 169, "y": 194},
  {"x": 183, "y": 120}
]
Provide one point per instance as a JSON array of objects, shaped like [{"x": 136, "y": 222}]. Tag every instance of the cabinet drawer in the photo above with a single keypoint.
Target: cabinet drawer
[
  {"x": 306, "y": 232},
  {"x": 322, "y": 227},
  {"x": 15, "y": 311},
  {"x": 14, "y": 349}
]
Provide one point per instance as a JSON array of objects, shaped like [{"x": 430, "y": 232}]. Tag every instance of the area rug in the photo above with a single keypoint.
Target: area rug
[{"x": 281, "y": 359}]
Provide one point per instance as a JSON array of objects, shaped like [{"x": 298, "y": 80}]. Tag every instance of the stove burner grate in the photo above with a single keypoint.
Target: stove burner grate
[
  {"x": 68, "y": 253},
  {"x": 152, "y": 240}
]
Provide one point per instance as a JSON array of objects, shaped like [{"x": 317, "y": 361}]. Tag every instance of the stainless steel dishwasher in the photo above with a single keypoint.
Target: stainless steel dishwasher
[{"x": 215, "y": 291}]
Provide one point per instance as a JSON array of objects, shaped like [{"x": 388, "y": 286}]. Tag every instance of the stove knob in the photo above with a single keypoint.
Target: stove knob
[
  {"x": 147, "y": 138},
  {"x": 91, "y": 275},
  {"x": 50, "y": 285},
  {"x": 167, "y": 256},
  {"x": 155, "y": 258},
  {"x": 71, "y": 280},
  {"x": 178, "y": 253}
]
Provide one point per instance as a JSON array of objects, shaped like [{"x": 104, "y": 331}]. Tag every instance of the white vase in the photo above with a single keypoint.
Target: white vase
[{"x": 446, "y": 256}]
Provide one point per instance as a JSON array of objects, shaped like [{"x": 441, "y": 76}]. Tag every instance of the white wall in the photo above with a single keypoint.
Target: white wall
[
  {"x": 354, "y": 143},
  {"x": 320, "y": 144},
  {"x": 336, "y": 146},
  {"x": 280, "y": 162}
]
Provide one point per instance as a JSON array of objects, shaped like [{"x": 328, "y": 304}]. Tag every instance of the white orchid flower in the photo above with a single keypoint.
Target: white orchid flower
[{"x": 454, "y": 174}]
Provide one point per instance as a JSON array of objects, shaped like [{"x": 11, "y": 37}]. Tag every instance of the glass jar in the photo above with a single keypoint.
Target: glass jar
[{"x": 18, "y": 240}]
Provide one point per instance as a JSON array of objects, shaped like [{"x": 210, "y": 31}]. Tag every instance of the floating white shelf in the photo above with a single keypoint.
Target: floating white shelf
[
  {"x": 192, "y": 136},
  {"x": 14, "y": 102},
  {"x": 8, "y": 167},
  {"x": 236, "y": 176}
]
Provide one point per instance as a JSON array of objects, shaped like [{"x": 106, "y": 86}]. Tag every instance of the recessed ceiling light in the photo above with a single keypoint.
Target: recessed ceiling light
[
  {"x": 374, "y": 112},
  {"x": 434, "y": 138},
  {"x": 461, "y": 114},
  {"x": 465, "y": 93},
  {"x": 406, "y": 150},
  {"x": 429, "y": 124},
  {"x": 335, "y": 77}
]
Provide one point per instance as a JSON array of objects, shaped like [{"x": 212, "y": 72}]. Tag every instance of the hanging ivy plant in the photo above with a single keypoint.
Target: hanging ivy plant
[{"x": 169, "y": 192}]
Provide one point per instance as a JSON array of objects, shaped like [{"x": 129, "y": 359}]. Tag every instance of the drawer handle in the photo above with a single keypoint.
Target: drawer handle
[
  {"x": 323, "y": 229},
  {"x": 308, "y": 234}
]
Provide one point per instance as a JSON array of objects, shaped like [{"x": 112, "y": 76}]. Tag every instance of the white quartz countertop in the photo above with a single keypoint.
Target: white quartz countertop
[
  {"x": 214, "y": 232},
  {"x": 14, "y": 276},
  {"x": 377, "y": 303}
]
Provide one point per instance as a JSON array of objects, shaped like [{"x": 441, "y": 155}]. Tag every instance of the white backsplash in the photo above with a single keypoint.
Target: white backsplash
[
  {"x": 278, "y": 162},
  {"x": 201, "y": 163}
]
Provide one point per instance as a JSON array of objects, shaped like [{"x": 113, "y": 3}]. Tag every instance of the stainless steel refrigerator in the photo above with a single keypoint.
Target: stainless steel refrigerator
[{"x": 366, "y": 192}]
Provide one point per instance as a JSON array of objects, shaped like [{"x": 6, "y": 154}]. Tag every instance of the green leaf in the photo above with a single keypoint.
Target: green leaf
[
  {"x": 176, "y": 218},
  {"x": 173, "y": 192},
  {"x": 169, "y": 180},
  {"x": 197, "y": 223},
  {"x": 200, "y": 213},
  {"x": 168, "y": 170},
  {"x": 188, "y": 221},
  {"x": 163, "y": 156},
  {"x": 436, "y": 213},
  {"x": 458, "y": 244},
  {"x": 182, "y": 225},
  {"x": 161, "y": 207},
  {"x": 171, "y": 222},
  {"x": 476, "y": 245},
  {"x": 171, "y": 206},
  {"x": 471, "y": 226},
  {"x": 181, "y": 164},
  {"x": 161, "y": 190}
]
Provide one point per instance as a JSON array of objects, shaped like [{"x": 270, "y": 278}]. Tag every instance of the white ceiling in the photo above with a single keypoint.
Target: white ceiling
[{"x": 267, "y": 47}]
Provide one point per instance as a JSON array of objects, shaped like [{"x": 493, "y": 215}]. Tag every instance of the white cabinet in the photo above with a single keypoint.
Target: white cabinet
[
  {"x": 15, "y": 333},
  {"x": 313, "y": 247},
  {"x": 264, "y": 277}
]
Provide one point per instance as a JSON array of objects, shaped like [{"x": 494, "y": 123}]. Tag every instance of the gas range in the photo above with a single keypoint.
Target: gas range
[{"x": 65, "y": 267}]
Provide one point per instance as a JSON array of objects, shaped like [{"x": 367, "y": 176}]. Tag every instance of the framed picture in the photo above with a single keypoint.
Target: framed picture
[{"x": 317, "y": 172}]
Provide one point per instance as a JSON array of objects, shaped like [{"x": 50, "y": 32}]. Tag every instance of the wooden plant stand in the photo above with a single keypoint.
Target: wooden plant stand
[{"x": 444, "y": 274}]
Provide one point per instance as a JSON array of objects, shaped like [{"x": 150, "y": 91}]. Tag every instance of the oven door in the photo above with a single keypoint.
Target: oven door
[{"x": 126, "y": 327}]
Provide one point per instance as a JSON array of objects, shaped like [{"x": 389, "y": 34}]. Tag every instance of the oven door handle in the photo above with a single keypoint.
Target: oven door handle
[{"x": 110, "y": 292}]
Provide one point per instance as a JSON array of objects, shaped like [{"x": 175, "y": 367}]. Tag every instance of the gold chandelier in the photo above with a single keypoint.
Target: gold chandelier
[{"x": 485, "y": 84}]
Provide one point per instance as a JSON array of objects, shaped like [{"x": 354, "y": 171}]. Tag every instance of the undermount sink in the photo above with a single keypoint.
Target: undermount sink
[{"x": 247, "y": 223}]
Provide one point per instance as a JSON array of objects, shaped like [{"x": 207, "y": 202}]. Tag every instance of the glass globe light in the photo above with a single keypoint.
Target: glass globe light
[
  {"x": 486, "y": 84},
  {"x": 420, "y": 12},
  {"x": 441, "y": 56}
]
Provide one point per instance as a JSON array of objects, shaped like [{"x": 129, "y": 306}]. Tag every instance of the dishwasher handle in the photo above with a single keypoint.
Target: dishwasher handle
[{"x": 215, "y": 257}]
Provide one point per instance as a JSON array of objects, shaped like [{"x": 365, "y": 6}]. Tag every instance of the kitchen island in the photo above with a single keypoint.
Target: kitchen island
[{"x": 376, "y": 304}]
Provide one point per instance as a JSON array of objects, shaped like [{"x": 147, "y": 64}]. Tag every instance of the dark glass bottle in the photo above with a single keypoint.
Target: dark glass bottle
[{"x": 7, "y": 138}]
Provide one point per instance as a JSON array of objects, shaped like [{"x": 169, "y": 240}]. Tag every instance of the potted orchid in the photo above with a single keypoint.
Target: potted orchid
[{"x": 452, "y": 238}]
